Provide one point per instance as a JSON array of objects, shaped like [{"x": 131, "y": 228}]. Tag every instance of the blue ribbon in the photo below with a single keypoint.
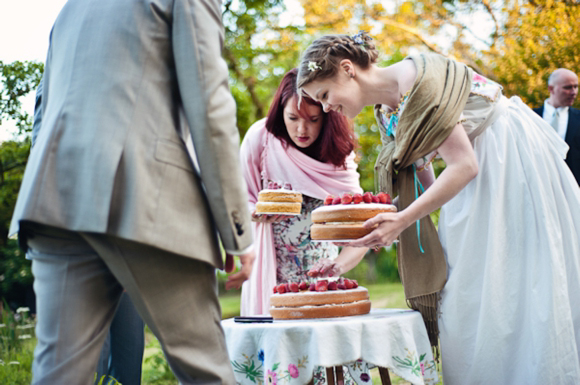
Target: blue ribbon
[
  {"x": 393, "y": 121},
  {"x": 417, "y": 186}
]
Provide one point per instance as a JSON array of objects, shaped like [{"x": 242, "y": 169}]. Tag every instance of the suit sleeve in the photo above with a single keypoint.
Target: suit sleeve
[{"x": 202, "y": 76}]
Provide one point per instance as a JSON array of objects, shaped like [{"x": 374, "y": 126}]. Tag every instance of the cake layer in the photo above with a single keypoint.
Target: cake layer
[
  {"x": 350, "y": 213},
  {"x": 313, "y": 298},
  {"x": 330, "y": 231},
  {"x": 323, "y": 311},
  {"x": 278, "y": 207},
  {"x": 279, "y": 195}
]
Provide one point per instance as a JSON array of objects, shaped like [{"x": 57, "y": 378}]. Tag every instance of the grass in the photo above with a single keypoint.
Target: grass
[
  {"x": 16, "y": 353},
  {"x": 16, "y": 346}
]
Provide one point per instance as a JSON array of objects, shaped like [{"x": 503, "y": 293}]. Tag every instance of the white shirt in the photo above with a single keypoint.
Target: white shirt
[{"x": 549, "y": 111}]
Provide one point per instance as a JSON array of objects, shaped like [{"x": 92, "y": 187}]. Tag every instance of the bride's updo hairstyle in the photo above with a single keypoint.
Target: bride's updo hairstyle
[{"x": 322, "y": 59}]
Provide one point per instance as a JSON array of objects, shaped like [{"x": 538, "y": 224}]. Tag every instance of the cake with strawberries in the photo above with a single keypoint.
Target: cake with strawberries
[
  {"x": 279, "y": 200},
  {"x": 322, "y": 299},
  {"x": 342, "y": 218}
]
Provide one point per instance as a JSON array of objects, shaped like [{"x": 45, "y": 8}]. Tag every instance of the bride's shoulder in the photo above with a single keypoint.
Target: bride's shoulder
[{"x": 406, "y": 75}]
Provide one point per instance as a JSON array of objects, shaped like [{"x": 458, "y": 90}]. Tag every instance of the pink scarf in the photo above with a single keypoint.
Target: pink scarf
[{"x": 263, "y": 159}]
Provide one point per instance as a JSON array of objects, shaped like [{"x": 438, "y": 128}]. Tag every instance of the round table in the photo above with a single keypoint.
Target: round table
[{"x": 287, "y": 351}]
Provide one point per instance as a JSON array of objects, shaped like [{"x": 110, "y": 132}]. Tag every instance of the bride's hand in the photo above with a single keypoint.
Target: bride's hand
[
  {"x": 325, "y": 268},
  {"x": 269, "y": 218},
  {"x": 387, "y": 226}
]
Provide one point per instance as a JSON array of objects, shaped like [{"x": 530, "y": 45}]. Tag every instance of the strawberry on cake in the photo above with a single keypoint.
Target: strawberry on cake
[
  {"x": 276, "y": 200},
  {"x": 323, "y": 299},
  {"x": 342, "y": 218}
]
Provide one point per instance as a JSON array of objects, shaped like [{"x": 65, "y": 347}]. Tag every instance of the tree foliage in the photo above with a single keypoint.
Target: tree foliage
[
  {"x": 18, "y": 79},
  {"x": 515, "y": 42},
  {"x": 537, "y": 38},
  {"x": 259, "y": 52}
]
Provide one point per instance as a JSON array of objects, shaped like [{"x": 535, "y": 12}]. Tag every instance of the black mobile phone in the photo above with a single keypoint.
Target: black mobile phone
[{"x": 254, "y": 319}]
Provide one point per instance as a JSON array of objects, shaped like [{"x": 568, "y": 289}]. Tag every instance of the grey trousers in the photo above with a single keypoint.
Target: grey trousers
[{"x": 78, "y": 281}]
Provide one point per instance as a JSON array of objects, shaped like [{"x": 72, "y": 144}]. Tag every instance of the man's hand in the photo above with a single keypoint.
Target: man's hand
[{"x": 235, "y": 280}]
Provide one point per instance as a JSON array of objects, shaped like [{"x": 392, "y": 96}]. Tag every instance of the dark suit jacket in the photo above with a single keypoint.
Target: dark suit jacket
[{"x": 572, "y": 138}]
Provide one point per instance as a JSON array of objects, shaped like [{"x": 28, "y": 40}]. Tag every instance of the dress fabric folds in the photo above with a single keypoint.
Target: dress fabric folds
[{"x": 510, "y": 311}]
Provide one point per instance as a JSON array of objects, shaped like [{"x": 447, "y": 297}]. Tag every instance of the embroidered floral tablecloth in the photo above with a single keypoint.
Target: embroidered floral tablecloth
[{"x": 286, "y": 352}]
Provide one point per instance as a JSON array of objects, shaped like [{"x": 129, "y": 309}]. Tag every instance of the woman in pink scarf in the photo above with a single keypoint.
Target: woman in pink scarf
[{"x": 313, "y": 152}]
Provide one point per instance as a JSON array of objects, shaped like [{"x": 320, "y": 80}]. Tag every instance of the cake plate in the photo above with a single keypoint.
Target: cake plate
[{"x": 341, "y": 240}]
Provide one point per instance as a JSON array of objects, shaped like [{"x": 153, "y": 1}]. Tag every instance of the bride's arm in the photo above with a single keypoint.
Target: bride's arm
[{"x": 458, "y": 154}]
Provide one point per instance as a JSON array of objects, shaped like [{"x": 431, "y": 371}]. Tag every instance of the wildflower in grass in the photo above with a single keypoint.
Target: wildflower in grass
[
  {"x": 14, "y": 363},
  {"x": 24, "y": 337},
  {"x": 22, "y": 310}
]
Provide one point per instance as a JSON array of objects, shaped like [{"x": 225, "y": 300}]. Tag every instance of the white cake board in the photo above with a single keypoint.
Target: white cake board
[{"x": 341, "y": 240}]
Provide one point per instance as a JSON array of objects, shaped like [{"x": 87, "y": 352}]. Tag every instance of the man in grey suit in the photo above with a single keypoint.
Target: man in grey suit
[
  {"x": 110, "y": 198},
  {"x": 557, "y": 110}
]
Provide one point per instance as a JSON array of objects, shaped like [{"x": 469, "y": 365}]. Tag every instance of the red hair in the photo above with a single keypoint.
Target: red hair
[{"x": 336, "y": 139}]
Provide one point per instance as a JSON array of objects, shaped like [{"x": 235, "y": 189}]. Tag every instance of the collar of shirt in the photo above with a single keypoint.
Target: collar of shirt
[{"x": 549, "y": 110}]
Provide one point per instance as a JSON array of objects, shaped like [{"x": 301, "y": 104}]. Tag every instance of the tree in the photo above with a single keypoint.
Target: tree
[
  {"x": 259, "y": 51},
  {"x": 515, "y": 42},
  {"x": 538, "y": 38},
  {"x": 18, "y": 79}
]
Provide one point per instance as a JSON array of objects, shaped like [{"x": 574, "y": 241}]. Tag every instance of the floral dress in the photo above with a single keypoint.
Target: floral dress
[{"x": 295, "y": 252}]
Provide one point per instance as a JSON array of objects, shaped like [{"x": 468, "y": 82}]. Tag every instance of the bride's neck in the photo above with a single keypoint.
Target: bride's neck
[{"x": 383, "y": 87}]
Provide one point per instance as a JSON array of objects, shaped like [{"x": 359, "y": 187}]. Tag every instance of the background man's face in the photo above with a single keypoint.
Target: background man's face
[{"x": 564, "y": 90}]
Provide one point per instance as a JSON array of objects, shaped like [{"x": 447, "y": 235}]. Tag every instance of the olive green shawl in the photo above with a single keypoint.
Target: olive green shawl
[{"x": 432, "y": 110}]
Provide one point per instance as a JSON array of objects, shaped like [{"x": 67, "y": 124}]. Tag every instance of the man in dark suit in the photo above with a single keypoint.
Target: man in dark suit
[
  {"x": 557, "y": 110},
  {"x": 111, "y": 198}
]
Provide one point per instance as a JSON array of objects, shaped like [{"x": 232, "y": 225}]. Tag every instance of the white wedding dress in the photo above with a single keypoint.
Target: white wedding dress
[{"x": 510, "y": 311}]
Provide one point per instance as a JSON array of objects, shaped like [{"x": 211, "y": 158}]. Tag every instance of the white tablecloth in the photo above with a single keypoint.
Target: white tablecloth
[{"x": 286, "y": 352}]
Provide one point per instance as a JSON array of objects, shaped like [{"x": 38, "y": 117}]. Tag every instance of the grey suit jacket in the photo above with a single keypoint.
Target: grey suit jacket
[{"x": 124, "y": 83}]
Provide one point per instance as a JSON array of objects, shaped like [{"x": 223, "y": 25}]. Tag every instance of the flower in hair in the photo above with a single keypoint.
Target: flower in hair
[
  {"x": 313, "y": 66},
  {"x": 358, "y": 38}
]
